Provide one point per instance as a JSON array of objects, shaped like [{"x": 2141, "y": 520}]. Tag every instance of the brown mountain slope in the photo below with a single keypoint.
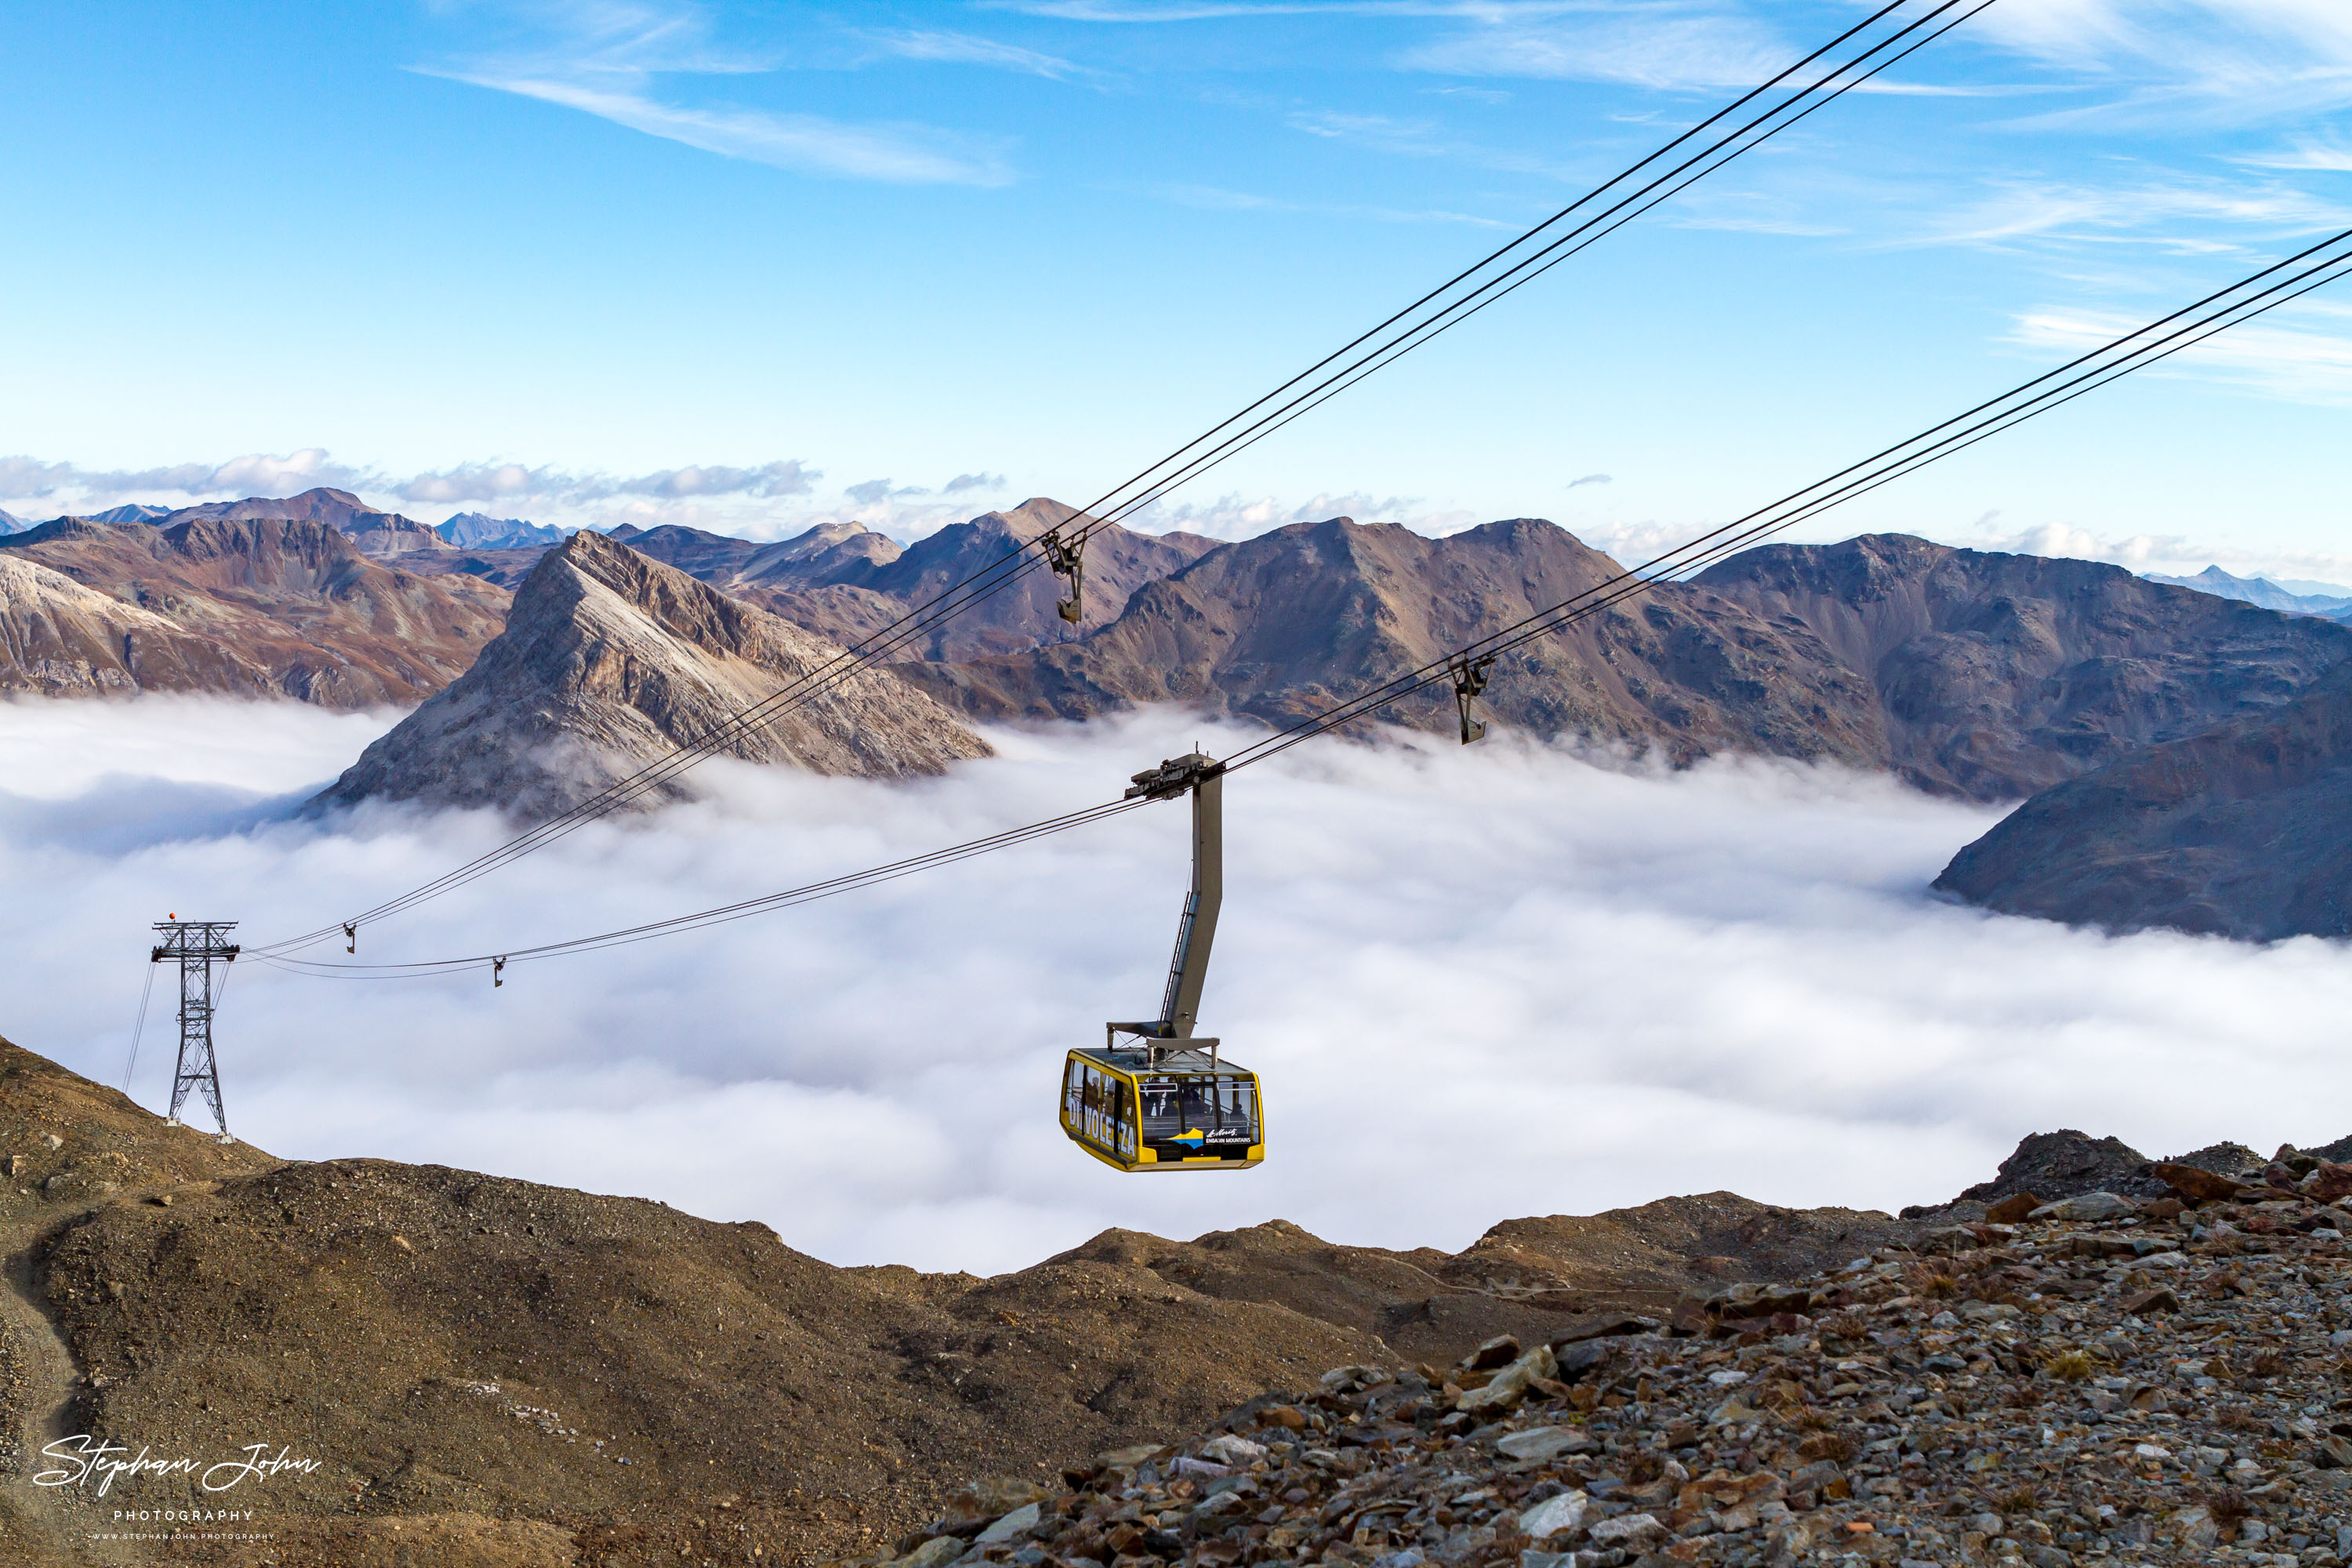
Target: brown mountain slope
[
  {"x": 473, "y": 1359},
  {"x": 1998, "y": 675},
  {"x": 339, "y": 509},
  {"x": 1288, "y": 623},
  {"x": 381, "y": 535},
  {"x": 58, "y": 639},
  {"x": 1982, "y": 675},
  {"x": 256, "y": 606},
  {"x": 2244, "y": 831},
  {"x": 610, "y": 658},
  {"x": 1117, "y": 562}
]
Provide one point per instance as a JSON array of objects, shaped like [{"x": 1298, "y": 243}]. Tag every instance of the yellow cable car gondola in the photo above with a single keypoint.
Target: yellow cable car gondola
[{"x": 1167, "y": 1101}]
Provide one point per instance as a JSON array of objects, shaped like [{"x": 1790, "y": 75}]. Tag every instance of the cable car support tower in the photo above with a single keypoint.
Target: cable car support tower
[{"x": 198, "y": 945}]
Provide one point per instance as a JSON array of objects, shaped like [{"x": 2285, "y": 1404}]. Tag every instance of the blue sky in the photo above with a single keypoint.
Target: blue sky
[{"x": 754, "y": 265}]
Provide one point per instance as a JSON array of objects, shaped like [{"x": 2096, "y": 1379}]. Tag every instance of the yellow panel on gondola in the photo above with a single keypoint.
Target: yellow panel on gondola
[{"x": 1175, "y": 1107}]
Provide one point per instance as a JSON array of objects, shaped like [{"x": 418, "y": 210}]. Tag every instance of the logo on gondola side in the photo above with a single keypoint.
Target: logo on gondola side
[{"x": 1099, "y": 1128}]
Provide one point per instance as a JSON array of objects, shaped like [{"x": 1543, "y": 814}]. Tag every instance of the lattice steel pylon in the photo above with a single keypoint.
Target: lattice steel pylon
[{"x": 198, "y": 945}]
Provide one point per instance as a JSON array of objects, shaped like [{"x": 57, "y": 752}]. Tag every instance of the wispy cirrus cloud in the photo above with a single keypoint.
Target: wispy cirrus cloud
[
  {"x": 614, "y": 60},
  {"x": 2331, "y": 153},
  {"x": 966, "y": 48},
  {"x": 806, "y": 144},
  {"x": 2225, "y": 61},
  {"x": 2183, "y": 213},
  {"x": 1212, "y": 198},
  {"x": 1670, "y": 46},
  {"x": 2293, "y": 354},
  {"x": 1423, "y": 138}
]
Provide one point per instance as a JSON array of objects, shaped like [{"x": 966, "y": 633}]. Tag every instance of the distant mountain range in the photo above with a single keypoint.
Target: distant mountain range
[
  {"x": 2295, "y": 598},
  {"x": 2176, "y": 742},
  {"x": 257, "y": 605},
  {"x": 479, "y": 531}
]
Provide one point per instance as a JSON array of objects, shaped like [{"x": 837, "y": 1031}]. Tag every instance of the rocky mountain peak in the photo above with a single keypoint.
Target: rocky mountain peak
[
  {"x": 611, "y": 658},
  {"x": 322, "y": 503}
]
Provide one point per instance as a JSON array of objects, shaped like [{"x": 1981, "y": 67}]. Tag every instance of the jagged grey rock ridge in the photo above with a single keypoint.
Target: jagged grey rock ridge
[
  {"x": 2242, "y": 831},
  {"x": 257, "y": 607},
  {"x": 611, "y": 658}
]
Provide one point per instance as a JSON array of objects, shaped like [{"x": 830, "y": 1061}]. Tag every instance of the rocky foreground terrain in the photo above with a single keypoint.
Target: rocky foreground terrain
[
  {"x": 2090, "y": 1380},
  {"x": 481, "y": 1372}
]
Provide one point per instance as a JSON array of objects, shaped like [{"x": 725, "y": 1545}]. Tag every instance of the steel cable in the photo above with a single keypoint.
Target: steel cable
[
  {"x": 1028, "y": 556},
  {"x": 138, "y": 1029},
  {"x": 1893, "y": 463},
  {"x": 2102, "y": 366},
  {"x": 740, "y": 909}
]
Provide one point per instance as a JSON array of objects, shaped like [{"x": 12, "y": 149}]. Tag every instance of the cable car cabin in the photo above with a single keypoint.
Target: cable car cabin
[
  {"x": 1175, "y": 1107},
  {"x": 1164, "y": 1101}
]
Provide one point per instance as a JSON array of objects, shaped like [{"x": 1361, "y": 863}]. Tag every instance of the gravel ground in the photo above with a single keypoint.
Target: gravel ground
[{"x": 2106, "y": 1380}]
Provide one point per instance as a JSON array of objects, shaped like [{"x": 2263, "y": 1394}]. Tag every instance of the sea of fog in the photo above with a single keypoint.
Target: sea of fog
[{"x": 1479, "y": 984}]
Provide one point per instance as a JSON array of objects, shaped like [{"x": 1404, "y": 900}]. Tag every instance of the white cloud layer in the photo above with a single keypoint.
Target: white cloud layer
[
  {"x": 256, "y": 473},
  {"x": 1480, "y": 984},
  {"x": 716, "y": 495}
]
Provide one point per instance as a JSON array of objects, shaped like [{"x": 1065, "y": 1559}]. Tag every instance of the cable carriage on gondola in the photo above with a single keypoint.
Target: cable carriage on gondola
[{"x": 1165, "y": 1099}]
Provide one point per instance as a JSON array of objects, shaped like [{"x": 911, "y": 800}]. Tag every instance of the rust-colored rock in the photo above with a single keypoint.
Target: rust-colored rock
[
  {"x": 2012, "y": 1209},
  {"x": 2195, "y": 1186}
]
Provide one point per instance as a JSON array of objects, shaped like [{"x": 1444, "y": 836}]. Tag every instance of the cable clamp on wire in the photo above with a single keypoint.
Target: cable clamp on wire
[
  {"x": 1068, "y": 560},
  {"x": 1174, "y": 776},
  {"x": 350, "y": 937},
  {"x": 1470, "y": 677},
  {"x": 498, "y": 971}
]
